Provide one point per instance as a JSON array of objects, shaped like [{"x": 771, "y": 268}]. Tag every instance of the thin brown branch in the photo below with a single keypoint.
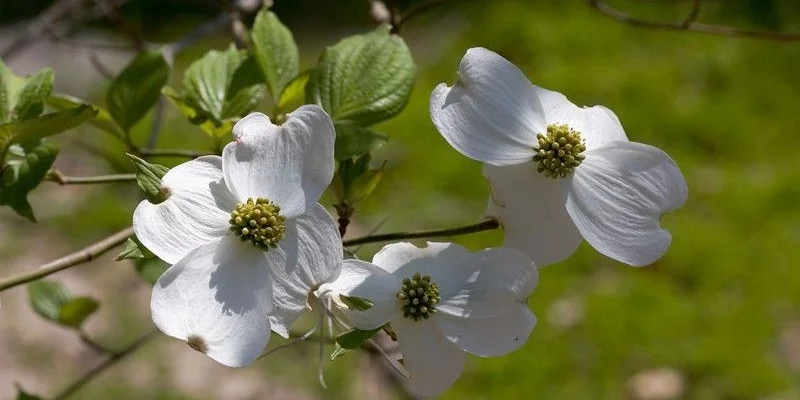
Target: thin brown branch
[
  {"x": 44, "y": 22},
  {"x": 106, "y": 364},
  {"x": 79, "y": 257},
  {"x": 56, "y": 176},
  {"x": 689, "y": 24},
  {"x": 415, "y": 11},
  {"x": 486, "y": 225}
]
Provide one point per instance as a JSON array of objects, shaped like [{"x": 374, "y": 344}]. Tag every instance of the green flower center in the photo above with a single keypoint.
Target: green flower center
[
  {"x": 559, "y": 151},
  {"x": 418, "y": 296},
  {"x": 259, "y": 222}
]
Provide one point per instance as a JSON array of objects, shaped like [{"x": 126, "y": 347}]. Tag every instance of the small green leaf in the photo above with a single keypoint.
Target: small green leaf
[
  {"x": 349, "y": 170},
  {"x": 275, "y": 50},
  {"x": 22, "y": 176},
  {"x": 75, "y": 311},
  {"x": 363, "y": 79},
  {"x": 47, "y": 298},
  {"x": 136, "y": 89},
  {"x": 364, "y": 185},
  {"x": 32, "y": 96},
  {"x": 195, "y": 115},
  {"x": 354, "y": 338},
  {"x": 102, "y": 120},
  {"x": 293, "y": 95},
  {"x": 134, "y": 249},
  {"x": 223, "y": 84},
  {"x": 10, "y": 86},
  {"x": 148, "y": 177},
  {"x": 353, "y": 141},
  {"x": 356, "y": 303},
  {"x": 150, "y": 269},
  {"x": 338, "y": 351}
]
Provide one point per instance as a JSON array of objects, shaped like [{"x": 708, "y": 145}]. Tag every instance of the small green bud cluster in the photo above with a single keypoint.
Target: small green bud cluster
[
  {"x": 259, "y": 222},
  {"x": 559, "y": 151},
  {"x": 419, "y": 297}
]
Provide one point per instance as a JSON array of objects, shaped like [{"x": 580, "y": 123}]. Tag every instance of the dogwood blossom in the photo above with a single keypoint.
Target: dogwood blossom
[
  {"x": 245, "y": 234},
  {"x": 558, "y": 172},
  {"x": 441, "y": 301}
]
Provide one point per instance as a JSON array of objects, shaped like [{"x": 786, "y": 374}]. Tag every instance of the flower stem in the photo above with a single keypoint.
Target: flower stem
[
  {"x": 107, "y": 363},
  {"x": 55, "y": 175},
  {"x": 81, "y": 256},
  {"x": 486, "y": 225}
]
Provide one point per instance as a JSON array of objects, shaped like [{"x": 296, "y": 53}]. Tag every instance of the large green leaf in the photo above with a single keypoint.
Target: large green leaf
[
  {"x": 148, "y": 177},
  {"x": 136, "y": 89},
  {"x": 35, "y": 129},
  {"x": 363, "y": 79},
  {"x": 195, "y": 115},
  {"x": 353, "y": 141},
  {"x": 294, "y": 94},
  {"x": 223, "y": 84},
  {"x": 275, "y": 50},
  {"x": 102, "y": 119},
  {"x": 20, "y": 177},
  {"x": 354, "y": 338},
  {"x": 30, "y": 102}
]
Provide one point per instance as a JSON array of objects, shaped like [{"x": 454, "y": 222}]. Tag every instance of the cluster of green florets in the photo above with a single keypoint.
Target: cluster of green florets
[
  {"x": 559, "y": 151},
  {"x": 259, "y": 222},
  {"x": 419, "y": 297}
]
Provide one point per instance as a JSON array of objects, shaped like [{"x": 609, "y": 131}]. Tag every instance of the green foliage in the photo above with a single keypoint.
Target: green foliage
[
  {"x": 53, "y": 302},
  {"x": 23, "y": 98},
  {"x": 353, "y": 339},
  {"x": 293, "y": 95},
  {"x": 102, "y": 120},
  {"x": 221, "y": 86},
  {"x": 275, "y": 51},
  {"x": 353, "y": 141},
  {"x": 354, "y": 180},
  {"x": 148, "y": 177},
  {"x": 363, "y": 79},
  {"x": 133, "y": 249},
  {"x": 31, "y": 130},
  {"x": 21, "y": 176},
  {"x": 23, "y": 395},
  {"x": 136, "y": 89},
  {"x": 150, "y": 269}
]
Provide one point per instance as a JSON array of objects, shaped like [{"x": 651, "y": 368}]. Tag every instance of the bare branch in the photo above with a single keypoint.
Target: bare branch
[
  {"x": 79, "y": 257},
  {"x": 689, "y": 24},
  {"x": 486, "y": 225},
  {"x": 56, "y": 176}
]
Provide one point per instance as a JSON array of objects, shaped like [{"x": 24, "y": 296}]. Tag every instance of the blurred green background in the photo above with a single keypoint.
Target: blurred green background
[{"x": 717, "y": 318}]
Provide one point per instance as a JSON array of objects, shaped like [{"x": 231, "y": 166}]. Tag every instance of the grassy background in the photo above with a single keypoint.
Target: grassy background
[{"x": 722, "y": 308}]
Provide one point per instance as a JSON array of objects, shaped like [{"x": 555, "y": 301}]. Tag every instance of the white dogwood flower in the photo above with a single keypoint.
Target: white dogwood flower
[
  {"x": 246, "y": 236},
  {"x": 441, "y": 301},
  {"x": 558, "y": 172}
]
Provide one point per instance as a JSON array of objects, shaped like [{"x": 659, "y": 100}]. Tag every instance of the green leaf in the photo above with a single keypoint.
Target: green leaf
[
  {"x": 293, "y": 95},
  {"x": 52, "y": 301},
  {"x": 76, "y": 310},
  {"x": 102, "y": 120},
  {"x": 10, "y": 86},
  {"x": 353, "y": 141},
  {"x": 136, "y": 89},
  {"x": 223, "y": 85},
  {"x": 150, "y": 269},
  {"x": 32, "y": 96},
  {"x": 148, "y": 177},
  {"x": 47, "y": 298},
  {"x": 134, "y": 249},
  {"x": 364, "y": 185},
  {"x": 32, "y": 130},
  {"x": 275, "y": 50},
  {"x": 356, "y": 303},
  {"x": 363, "y": 79},
  {"x": 353, "y": 339},
  {"x": 22, "y": 176},
  {"x": 349, "y": 170},
  {"x": 338, "y": 351},
  {"x": 195, "y": 115}
]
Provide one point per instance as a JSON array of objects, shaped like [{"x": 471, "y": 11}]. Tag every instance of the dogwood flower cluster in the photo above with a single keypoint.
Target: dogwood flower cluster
[{"x": 250, "y": 245}]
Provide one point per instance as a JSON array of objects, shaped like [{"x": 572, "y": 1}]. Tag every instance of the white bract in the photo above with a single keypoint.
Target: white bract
[
  {"x": 558, "y": 172},
  {"x": 246, "y": 236},
  {"x": 441, "y": 301}
]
